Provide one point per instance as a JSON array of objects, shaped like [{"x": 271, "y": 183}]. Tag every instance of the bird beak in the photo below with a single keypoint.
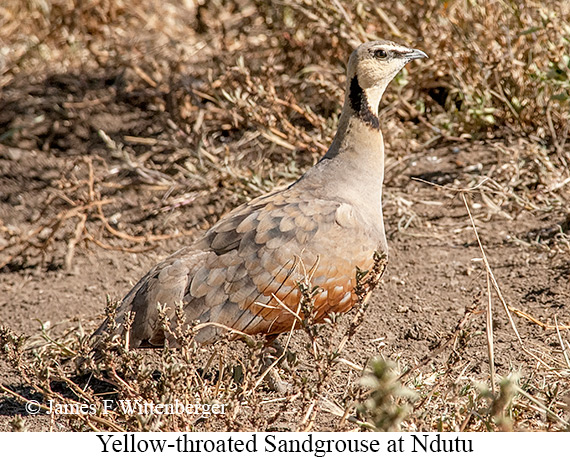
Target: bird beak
[{"x": 416, "y": 54}]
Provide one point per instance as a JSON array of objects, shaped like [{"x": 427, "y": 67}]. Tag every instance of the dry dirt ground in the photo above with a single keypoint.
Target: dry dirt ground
[
  {"x": 119, "y": 156},
  {"x": 435, "y": 274}
]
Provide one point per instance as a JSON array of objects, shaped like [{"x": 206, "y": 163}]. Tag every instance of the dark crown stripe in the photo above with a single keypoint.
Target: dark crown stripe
[{"x": 359, "y": 104}]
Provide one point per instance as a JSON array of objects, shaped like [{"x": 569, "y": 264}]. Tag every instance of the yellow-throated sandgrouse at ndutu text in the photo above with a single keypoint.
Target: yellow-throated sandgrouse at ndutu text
[{"x": 244, "y": 271}]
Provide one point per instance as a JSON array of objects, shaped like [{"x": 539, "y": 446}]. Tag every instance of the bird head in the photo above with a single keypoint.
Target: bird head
[
  {"x": 370, "y": 68},
  {"x": 377, "y": 62}
]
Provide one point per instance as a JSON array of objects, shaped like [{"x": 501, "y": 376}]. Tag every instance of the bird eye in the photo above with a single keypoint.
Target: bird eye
[{"x": 380, "y": 54}]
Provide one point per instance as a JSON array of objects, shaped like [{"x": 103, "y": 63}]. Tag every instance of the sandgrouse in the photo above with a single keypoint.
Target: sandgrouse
[{"x": 244, "y": 271}]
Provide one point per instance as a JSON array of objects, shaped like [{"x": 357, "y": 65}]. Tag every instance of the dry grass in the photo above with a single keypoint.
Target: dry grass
[
  {"x": 242, "y": 95},
  {"x": 221, "y": 101},
  {"x": 66, "y": 370}
]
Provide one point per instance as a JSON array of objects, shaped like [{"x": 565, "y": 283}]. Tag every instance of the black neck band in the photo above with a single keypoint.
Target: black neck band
[{"x": 359, "y": 104}]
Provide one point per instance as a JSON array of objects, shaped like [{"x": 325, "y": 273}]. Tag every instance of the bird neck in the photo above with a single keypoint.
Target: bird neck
[
  {"x": 354, "y": 164},
  {"x": 359, "y": 126},
  {"x": 364, "y": 102}
]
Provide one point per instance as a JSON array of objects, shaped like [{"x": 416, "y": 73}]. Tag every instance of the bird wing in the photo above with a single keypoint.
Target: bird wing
[{"x": 243, "y": 274}]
